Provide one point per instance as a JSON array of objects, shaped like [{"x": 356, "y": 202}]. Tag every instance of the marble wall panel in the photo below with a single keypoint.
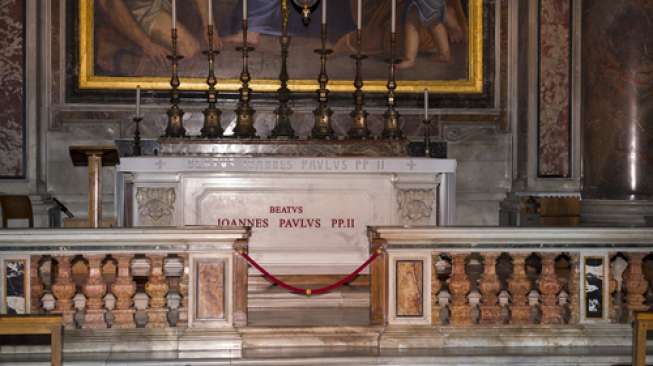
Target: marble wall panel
[
  {"x": 12, "y": 79},
  {"x": 15, "y": 284},
  {"x": 555, "y": 88},
  {"x": 210, "y": 290},
  {"x": 410, "y": 288}
]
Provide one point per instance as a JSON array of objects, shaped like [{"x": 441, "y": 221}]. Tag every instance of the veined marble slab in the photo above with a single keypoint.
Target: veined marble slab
[{"x": 308, "y": 215}]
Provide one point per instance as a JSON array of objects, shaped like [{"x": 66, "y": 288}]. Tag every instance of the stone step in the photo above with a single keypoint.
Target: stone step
[
  {"x": 349, "y": 356},
  {"x": 280, "y": 298}
]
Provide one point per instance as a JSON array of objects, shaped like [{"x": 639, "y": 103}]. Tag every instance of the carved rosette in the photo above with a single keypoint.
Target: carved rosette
[
  {"x": 574, "y": 290},
  {"x": 490, "y": 286},
  {"x": 36, "y": 287},
  {"x": 549, "y": 288},
  {"x": 436, "y": 286},
  {"x": 415, "y": 206},
  {"x": 635, "y": 284},
  {"x": 124, "y": 289},
  {"x": 459, "y": 286},
  {"x": 94, "y": 289},
  {"x": 63, "y": 290},
  {"x": 157, "y": 288},
  {"x": 519, "y": 286},
  {"x": 156, "y": 206}
]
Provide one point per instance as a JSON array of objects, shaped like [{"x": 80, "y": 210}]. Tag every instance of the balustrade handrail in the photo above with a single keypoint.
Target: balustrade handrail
[
  {"x": 491, "y": 237},
  {"x": 121, "y": 239}
]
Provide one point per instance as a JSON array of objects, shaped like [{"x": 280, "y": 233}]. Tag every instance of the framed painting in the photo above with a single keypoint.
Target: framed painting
[{"x": 124, "y": 43}]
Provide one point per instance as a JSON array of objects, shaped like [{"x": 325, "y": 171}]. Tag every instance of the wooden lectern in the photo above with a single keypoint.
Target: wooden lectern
[{"x": 95, "y": 157}]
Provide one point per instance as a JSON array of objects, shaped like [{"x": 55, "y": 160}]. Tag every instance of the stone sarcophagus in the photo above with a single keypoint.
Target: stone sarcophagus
[{"x": 308, "y": 215}]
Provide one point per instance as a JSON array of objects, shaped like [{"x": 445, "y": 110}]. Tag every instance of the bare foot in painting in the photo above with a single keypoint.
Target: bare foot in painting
[
  {"x": 344, "y": 45},
  {"x": 253, "y": 38},
  {"x": 456, "y": 35},
  {"x": 406, "y": 64}
]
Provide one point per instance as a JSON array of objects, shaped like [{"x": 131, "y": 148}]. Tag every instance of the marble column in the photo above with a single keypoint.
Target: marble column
[{"x": 617, "y": 112}]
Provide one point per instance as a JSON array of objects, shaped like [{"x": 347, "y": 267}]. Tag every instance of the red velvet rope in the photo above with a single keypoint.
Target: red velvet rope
[{"x": 308, "y": 291}]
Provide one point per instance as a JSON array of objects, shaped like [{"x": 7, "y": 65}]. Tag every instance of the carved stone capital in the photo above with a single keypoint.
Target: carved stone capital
[
  {"x": 156, "y": 206},
  {"x": 415, "y": 206}
]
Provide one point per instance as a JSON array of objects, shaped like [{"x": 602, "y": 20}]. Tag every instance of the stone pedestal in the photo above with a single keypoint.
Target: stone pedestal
[{"x": 617, "y": 111}]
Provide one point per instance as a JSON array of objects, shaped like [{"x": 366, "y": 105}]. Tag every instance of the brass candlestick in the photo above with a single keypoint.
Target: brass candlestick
[
  {"x": 322, "y": 128},
  {"x": 391, "y": 128},
  {"x": 212, "y": 128},
  {"x": 283, "y": 127},
  {"x": 245, "y": 113},
  {"x": 175, "y": 126},
  {"x": 359, "y": 130},
  {"x": 136, "y": 147}
]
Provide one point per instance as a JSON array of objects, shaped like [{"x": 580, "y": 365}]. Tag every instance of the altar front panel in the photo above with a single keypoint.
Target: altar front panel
[{"x": 296, "y": 220}]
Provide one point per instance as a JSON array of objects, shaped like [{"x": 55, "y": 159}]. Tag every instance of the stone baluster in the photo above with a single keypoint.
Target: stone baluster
[
  {"x": 519, "y": 286},
  {"x": 183, "y": 291},
  {"x": 459, "y": 286},
  {"x": 94, "y": 289},
  {"x": 490, "y": 286},
  {"x": 574, "y": 289},
  {"x": 36, "y": 286},
  {"x": 157, "y": 288},
  {"x": 616, "y": 298},
  {"x": 63, "y": 290},
  {"x": 549, "y": 288},
  {"x": 436, "y": 286},
  {"x": 635, "y": 284},
  {"x": 124, "y": 289}
]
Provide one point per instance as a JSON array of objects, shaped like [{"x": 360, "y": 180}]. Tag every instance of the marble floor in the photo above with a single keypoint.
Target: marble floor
[{"x": 359, "y": 356}]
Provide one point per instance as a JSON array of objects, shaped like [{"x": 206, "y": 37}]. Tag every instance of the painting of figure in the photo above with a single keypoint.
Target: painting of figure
[{"x": 131, "y": 39}]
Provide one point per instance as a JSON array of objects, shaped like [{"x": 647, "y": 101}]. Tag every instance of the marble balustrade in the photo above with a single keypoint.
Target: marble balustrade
[
  {"x": 488, "y": 277},
  {"x": 127, "y": 278}
]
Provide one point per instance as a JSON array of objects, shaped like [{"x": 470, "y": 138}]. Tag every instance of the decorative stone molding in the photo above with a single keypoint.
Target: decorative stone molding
[
  {"x": 156, "y": 206},
  {"x": 415, "y": 205}
]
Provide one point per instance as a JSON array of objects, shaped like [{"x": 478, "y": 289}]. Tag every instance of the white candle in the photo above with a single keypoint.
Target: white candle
[
  {"x": 138, "y": 101},
  {"x": 360, "y": 14},
  {"x": 244, "y": 9},
  {"x": 394, "y": 16},
  {"x": 174, "y": 14},
  {"x": 324, "y": 11},
  {"x": 210, "y": 12},
  {"x": 426, "y": 104}
]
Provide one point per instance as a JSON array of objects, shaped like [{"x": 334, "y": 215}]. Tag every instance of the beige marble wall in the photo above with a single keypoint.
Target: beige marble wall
[{"x": 210, "y": 299}]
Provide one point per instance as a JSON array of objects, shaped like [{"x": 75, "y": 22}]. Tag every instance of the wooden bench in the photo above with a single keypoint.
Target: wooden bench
[
  {"x": 642, "y": 323},
  {"x": 51, "y": 325}
]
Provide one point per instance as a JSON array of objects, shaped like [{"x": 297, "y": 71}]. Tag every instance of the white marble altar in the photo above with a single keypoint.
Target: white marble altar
[{"x": 308, "y": 215}]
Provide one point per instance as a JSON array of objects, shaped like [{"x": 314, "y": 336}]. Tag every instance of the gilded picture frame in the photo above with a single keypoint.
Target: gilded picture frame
[{"x": 472, "y": 83}]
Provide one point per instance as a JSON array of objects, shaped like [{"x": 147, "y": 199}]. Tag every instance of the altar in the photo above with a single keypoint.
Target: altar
[{"x": 308, "y": 215}]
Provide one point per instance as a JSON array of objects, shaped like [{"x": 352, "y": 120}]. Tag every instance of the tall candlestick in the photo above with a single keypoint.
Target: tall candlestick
[
  {"x": 360, "y": 15},
  {"x": 174, "y": 14},
  {"x": 210, "y": 12},
  {"x": 324, "y": 11},
  {"x": 244, "y": 9},
  {"x": 394, "y": 16},
  {"x": 138, "y": 101},
  {"x": 426, "y": 104}
]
